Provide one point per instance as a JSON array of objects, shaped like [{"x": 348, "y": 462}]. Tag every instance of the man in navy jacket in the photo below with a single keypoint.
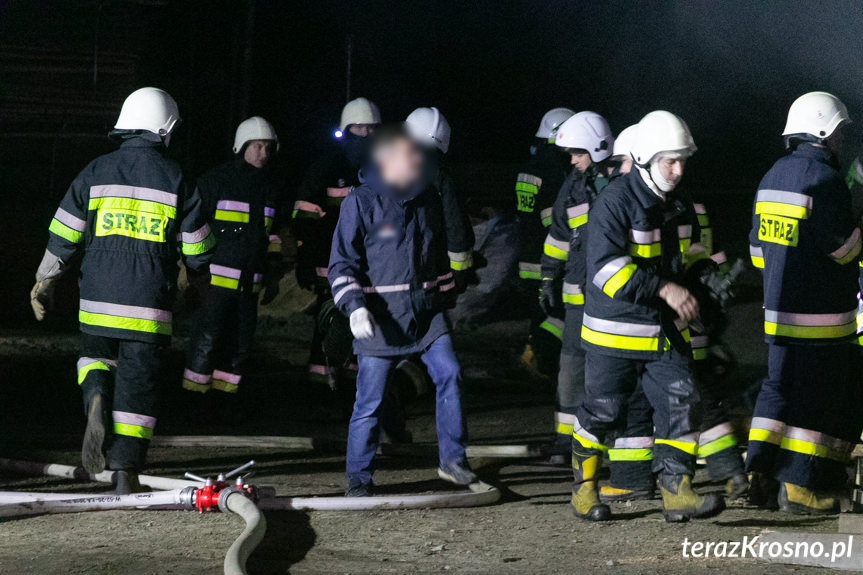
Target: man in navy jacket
[{"x": 390, "y": 274}]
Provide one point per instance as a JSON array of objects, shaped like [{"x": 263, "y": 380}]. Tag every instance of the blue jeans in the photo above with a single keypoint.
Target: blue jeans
[{"x": 364, "y": 429}]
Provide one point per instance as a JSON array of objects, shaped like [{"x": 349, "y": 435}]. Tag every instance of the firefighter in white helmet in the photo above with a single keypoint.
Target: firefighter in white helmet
[
  {"x": 126, "y": 217},
  {"x": 635, "y": 322},
  {"x": 430, "y": 129},
  {"x": 536, "y": 187},
  {"x": 630, "y": 473},
  {"x": 807, "y": 417},
  {"x": 239, "y": 200},
  {"x": 315, "y": 214},
  {"x": 587, "y": 138}
]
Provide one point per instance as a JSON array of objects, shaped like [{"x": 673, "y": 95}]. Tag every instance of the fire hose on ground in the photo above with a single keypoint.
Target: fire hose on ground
[{"x": 205, "y": 495}]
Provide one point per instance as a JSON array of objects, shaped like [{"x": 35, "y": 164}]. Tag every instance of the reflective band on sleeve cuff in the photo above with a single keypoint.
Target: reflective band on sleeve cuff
[
  {"x": 553, "y": 326},
  {"x": 198, "y": 248},
  {"x": 58, "y": 228},
  {"x": 556, "y": 249}
]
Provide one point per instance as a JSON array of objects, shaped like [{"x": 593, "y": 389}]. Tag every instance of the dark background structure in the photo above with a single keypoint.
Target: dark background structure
[{"x": 730, "y": 68}]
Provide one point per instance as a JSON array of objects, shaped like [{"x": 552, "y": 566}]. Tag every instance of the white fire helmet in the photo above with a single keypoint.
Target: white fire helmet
[
  {"x": 659, "y": 132},
  {"x": 551, "y": 120},
  {"x": 624, "y": 141},
  {"x": 586, "y": 131},
  {"x": 359, "y": 111},
  {"x": 149, "y": 109},
  {"x": 429, "y": 128},
  {"x": 817, "y": 114},
  {"x": 254, "y": 128}
]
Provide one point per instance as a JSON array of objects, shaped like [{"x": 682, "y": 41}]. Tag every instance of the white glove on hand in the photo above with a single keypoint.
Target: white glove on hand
[
  {"x": 362, "y": 323},
  {"x": 42, "y": 298}
]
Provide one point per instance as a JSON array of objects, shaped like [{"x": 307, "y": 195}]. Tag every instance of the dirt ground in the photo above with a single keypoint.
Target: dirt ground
[{"x": 531, "y": 530}]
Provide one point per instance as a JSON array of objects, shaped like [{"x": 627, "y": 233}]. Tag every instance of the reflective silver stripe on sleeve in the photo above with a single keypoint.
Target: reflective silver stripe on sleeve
[
  {"x": 198, "y": 235},
  {"x": 69, "y": 220},
  {"x": 571, "y": 289},
  {"x": 562, "y": 246},
  {"x": 849, "y": 249},
  {"x": 608, "y": 270},
  {"x": 343, "y": 280},
  {"x": 348, "y": 288},
  {"x": 645, "y": 236},
  {"x": 579, "y": 210},
  {"x": 756, "y": 251},
  {"x": 684, "y": 232}
]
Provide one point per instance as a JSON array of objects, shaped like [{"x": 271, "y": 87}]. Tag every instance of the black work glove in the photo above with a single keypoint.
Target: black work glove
[
  {"x": 465, "y": 278},
  {"x": 548, "y": 296}
]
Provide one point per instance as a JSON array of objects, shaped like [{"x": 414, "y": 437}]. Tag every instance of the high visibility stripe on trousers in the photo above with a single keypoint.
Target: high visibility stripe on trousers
[
  {"x": 88, "y": 364},
  {"x": 225, "y": 381},
  {"x": 563, "y": 423},
  {"x": 134, "y": 424},
  {"x": 631, "y": 449},
  {"x": 716, "y": 439},
  {"x": 799, "y": 440}
]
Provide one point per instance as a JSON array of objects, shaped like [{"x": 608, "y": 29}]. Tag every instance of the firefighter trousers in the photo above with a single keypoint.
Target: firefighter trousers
[
  {"x": 629, "y": 459},
  {"x": 670, "y": 389},
  {"x": 221, "y": 340},
  {"x": 124, "y": 373},
  {"x": 807, "y": 416},
  {"x": 570, "y": 376}
]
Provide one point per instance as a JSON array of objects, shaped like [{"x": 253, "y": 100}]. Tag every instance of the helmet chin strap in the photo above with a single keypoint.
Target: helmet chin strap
[{"x": 653, "y": 177}]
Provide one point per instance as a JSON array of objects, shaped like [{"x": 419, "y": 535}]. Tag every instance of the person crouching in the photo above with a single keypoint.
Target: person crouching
[{"x": 390, "y": 274}]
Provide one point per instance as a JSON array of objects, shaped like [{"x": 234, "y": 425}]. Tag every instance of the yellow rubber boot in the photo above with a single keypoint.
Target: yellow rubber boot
[
  {"x": 616, "y": 494},
  {"x": 804, "y": 501},
  {"x": 585, "y": 495},
  {"x": 528, "y": 357},
  {"x": 681, "y": 503}
]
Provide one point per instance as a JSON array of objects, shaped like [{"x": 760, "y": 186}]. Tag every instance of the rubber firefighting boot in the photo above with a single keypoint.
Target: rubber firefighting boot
[
  {"x": 126, "y": 482},
  {"x": 804, "y": 501},
  {"x": 681, "y": 503},
  {"x": 763, "y": 491},
  {"x": 585, "y": 493},
  {"x": 736, "y": 487},
  {"x": 611, "y": 494},
  {"x": 93, "y": 448}
]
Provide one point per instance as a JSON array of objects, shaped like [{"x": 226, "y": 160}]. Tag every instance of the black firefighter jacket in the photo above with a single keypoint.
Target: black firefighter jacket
[
  {"x": 130, "y": 216},
  {"x": 635, "y": 242},
  {"x": 238, "y": 200}
]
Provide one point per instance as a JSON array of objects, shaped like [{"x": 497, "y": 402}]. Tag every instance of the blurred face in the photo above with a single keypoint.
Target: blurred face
[
  {"x": 258, "y": 152},
  {"x": 625, "y": 164},
  {"x": 671, "y": 169},
  {"x": 362, "y": 130},
  {"x": 580, "y": 159},
  {"x": 836, "y": 141},
  {"x": 400, "y": 164}
]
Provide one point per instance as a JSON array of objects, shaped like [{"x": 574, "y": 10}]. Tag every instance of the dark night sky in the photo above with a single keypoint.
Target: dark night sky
[{"x": 730, "y": 68}]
